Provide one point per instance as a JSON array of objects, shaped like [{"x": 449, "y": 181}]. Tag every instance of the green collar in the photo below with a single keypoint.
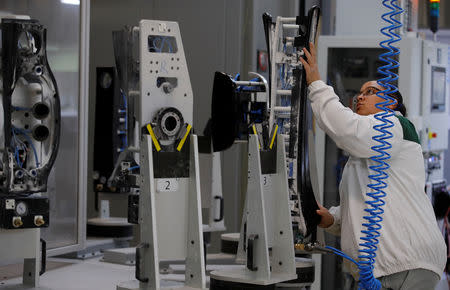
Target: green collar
[{"x": 409, "y": 131}]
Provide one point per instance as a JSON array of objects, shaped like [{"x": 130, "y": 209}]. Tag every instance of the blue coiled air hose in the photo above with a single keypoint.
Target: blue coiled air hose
[{"x": 372, "y": 221}]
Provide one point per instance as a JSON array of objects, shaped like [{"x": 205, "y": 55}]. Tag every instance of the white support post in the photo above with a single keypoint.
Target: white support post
[
  {"x": 153, "y": 204},
  {"x": 149, "y": 261},
  {"x": 283, "y": 254},
  {"x": 195, "y": 263},
  {"x": 255, "y": 217},
  {"x": 216, "y": 221}
]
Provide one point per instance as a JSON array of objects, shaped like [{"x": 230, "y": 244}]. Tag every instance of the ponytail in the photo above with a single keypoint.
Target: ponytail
[{"x": 400, "y": 105}]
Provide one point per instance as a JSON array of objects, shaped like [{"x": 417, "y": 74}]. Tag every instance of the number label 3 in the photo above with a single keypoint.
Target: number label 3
[{"x": 265, "y": 180}]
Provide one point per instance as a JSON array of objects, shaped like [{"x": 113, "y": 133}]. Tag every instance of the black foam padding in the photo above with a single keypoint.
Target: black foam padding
[
  {"x": 110, "y": 231},
  {"x": 224, "y": 111},
  {"x": 268, "y": 160},
  {"x": 172, "y": 164}
]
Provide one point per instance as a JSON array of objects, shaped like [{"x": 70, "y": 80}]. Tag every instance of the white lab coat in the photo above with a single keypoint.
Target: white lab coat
[{"x": 410, "y": 237}]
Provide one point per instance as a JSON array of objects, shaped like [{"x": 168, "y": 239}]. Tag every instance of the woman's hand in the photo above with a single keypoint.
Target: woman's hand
[
  {"x": 326, "y": 219},
  {"x": 310, "y": 64}
]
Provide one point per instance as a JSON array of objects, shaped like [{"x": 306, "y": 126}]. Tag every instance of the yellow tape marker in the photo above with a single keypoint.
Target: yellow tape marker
[
  {"x": 273, "y": 137},
  {"x": 256, "y": 133},
  {"x": 180, "y": 145},
  {"x": 155, "y": 141}
]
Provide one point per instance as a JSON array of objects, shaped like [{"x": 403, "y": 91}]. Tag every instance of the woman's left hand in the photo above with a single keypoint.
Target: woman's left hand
[
  {"x": 326, "y": 218},
  {"x": 310, "y": 64}
]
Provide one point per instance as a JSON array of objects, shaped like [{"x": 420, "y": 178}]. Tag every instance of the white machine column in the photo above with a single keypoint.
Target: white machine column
[{"x": 169, "y": 202}]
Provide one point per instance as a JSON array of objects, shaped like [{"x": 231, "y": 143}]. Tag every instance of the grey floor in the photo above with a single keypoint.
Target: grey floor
[{"x": 87, "y": 274}]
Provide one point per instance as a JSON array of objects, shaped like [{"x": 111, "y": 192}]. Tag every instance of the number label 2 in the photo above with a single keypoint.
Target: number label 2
[{"x": 166, "y": 184}]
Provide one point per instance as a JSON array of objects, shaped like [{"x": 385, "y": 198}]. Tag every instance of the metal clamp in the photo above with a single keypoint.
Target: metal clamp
[
  {"x": 220, "y": 198},
  {"x": 250, "y": 246},
  {"x": 139, "y": 248},
  {"x": 43, "y": 257}
]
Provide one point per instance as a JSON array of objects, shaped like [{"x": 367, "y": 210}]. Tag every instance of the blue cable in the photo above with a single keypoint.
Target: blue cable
[
  {"x": 162, "y": 41},
  {"x": 21, "y": 108},
  {"x": 283, "y": 85},
  {"x": 161, "y": 46},
  {"x": 24, "y": 133},
  {"x": 133, "y": 168},
  {"x": 16, "y": 155},
  {"x": 371, "y": 223}
]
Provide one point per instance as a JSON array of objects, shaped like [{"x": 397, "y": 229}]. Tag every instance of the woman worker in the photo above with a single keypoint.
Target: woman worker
[{"x": 411, "y": 251}]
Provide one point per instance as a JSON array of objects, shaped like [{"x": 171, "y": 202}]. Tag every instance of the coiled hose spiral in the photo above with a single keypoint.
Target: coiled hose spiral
[{"x": 372, "y": 221}]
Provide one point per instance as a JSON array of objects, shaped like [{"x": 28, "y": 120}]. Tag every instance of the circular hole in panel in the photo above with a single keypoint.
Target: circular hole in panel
[
  {"x": 170, "y": 123},
  {"x": 38, "y": 70},
  {"x": 40, "y": 111},
  {"x": 40, "y": 132}
]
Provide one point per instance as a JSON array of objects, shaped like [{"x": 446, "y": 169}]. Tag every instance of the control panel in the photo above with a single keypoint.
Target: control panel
[
  {"x": 434, "y": 134},
  {"x": 24, "y": 212}
]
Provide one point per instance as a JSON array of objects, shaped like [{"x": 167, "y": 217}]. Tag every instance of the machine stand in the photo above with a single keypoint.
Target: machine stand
[
  {"x": 170, "y": 222},
  {"x": 266, "y": 239}
]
